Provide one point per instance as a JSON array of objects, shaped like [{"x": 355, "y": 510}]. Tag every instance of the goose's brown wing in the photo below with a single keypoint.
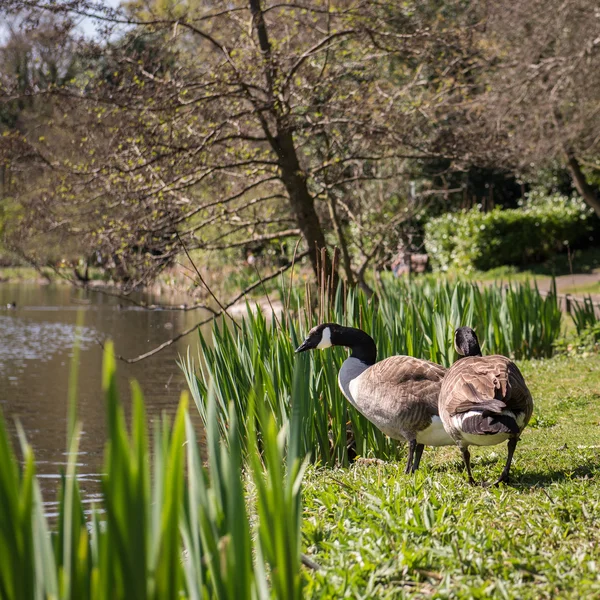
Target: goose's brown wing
[
  {"x": 492, "y": 383},
  {"x": 404, "y": 379}
]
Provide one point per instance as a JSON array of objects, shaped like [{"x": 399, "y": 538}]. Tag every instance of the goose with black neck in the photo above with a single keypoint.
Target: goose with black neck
[
  {"x": 399, "y": 394},
  {"x": 484, "y": 401}
]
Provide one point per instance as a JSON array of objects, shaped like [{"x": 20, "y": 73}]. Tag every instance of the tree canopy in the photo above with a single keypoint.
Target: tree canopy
[{"x": 255, "y": 122}]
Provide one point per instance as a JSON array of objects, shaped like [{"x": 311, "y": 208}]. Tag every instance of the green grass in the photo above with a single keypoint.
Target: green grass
[
  {"x": 19, "y": 274},
  {"x": 380, "y": 533},
  {"x": 29, "y": 274},
  {"x": 507, "y": 274},
  {"x": 580, "y": 261},
  {"x": 580, "y": 290}
]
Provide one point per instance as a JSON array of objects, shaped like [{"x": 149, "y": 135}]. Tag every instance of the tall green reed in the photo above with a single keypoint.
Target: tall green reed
[
  {"x": 583, "y": 314},
  {"x": 159, "y": 533},
  {"x": 404, "y": 317}
]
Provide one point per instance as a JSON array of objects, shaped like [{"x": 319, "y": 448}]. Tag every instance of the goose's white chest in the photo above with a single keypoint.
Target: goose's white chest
[{"x": 348, "y": 379}]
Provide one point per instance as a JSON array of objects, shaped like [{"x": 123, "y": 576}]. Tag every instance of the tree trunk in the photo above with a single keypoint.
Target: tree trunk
[
  {"x": 582, "y": 186},
  {"x": 292, "y": 176},
  {"x": 302, "y": 203}
]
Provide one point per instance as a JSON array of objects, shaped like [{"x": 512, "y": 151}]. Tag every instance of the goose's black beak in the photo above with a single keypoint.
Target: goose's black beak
[{"x": 307, "y": 344}]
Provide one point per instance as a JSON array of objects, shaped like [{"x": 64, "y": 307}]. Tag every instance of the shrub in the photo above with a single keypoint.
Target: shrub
[{"x": 543, "y": 226}]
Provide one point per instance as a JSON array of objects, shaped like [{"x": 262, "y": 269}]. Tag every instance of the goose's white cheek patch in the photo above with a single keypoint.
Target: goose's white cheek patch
[{"x": 325, "y": 339}]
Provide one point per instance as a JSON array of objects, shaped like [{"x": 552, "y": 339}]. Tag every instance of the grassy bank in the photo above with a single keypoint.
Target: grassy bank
[
  {"x": 380, "y": 533},
  {"x": 23, "y": 275},
  {"x": 167, "y": 526}
]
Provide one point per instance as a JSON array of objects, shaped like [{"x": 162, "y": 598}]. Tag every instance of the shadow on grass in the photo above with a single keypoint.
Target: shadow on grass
[
  {"x": 485, "y": 470},
  {"x": 532, "y": 479},
  {"x": 478, "y": 463},
  {"x": 582, "y": 261},
  {"x": 579, "y": 261}
]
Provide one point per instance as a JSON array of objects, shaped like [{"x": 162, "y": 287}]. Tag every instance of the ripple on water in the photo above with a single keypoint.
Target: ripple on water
[{"x": 23, "y": 340}]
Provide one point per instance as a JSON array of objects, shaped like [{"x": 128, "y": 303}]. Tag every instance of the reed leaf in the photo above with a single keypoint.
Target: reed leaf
[
  {"x": 165, "y": 536},
  {"x": 583, "y": 314}
]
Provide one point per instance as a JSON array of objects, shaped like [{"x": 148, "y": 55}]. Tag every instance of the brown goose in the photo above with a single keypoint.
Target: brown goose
[
  {"x": 484, "y": 400},
  {"x": 399, "y": 395}
]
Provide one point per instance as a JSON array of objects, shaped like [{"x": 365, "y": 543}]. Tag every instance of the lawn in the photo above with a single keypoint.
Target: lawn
[
  {"x": 18, "y": 274},
  {"x": 578, "y": 261},
  {"x": 379, "y": 533}
]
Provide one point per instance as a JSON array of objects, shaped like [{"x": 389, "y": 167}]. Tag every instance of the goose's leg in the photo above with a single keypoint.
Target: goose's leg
[
  {"x": 467, "y": 458},
  {"x": 411, "y": 453},
  {"x": 504, "y": 478},
  {"x": 418, "y": 453}
]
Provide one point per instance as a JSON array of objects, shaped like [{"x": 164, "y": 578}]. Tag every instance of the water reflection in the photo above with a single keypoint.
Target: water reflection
[{"x": 36, "y": 344}]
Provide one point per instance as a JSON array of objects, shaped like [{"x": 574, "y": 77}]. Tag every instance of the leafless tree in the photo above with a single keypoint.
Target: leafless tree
[
  {"x": 238, "y": 124},
  {"x": 539, "y": 99}
]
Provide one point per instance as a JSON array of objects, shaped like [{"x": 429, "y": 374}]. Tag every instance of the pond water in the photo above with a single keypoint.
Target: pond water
[{"x": 36, "y": 345}]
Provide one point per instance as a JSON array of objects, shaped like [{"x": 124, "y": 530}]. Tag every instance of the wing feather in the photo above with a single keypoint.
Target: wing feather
[
  {"x": 401, "y": 390},
  {"x": 490, "y": 384},
  {"x": 405, "y": 377}
]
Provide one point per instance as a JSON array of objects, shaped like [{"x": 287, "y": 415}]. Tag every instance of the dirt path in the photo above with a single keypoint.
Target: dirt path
[{"x": 565, "y": 283}]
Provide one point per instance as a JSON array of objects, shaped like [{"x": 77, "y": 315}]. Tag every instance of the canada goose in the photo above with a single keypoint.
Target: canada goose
[
  {"x": 399, "y": 394},
  {"x": 484, "y": 400}
]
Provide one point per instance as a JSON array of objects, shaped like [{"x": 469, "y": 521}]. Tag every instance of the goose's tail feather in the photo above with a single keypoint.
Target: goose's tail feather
[{"x": 489, "y": 423}]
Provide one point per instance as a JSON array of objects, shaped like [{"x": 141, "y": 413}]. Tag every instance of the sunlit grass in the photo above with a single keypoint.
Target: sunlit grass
[
  {"x": 19, "y": 274},
  {"x": 381, "y": 534},
  {"x": 565, "y": 263},
  {"x": 580, "y": 290}
]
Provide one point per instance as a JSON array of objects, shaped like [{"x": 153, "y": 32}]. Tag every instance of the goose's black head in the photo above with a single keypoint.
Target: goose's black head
[
  {"x": 318, "y": 337},
  {"x": 466, "y": 342},
  {"x": 331, "y": 334}
]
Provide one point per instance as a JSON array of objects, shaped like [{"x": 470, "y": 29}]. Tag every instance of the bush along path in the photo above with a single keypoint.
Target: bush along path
[{"x": 473, "y": 240}]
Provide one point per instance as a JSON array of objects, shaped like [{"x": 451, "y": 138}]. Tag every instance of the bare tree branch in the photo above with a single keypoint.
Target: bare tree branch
[{"x": 229, "y": 304}]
